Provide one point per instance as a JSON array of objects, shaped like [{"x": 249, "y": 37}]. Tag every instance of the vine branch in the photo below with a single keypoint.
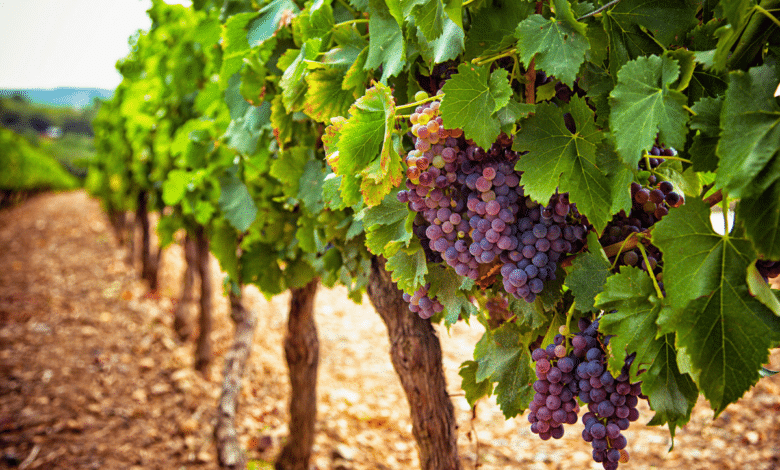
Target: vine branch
[{"x": 598, "y": 10}]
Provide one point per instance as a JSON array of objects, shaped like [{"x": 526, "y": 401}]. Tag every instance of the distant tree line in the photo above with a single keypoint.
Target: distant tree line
[{"x": 23, "y": 117}]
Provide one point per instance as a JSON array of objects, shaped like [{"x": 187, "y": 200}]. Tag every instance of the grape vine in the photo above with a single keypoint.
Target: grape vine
[{"x": 556, "y": 159}]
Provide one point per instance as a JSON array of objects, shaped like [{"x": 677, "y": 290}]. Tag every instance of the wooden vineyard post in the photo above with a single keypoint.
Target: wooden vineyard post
[{"x": 416, "y": 355}]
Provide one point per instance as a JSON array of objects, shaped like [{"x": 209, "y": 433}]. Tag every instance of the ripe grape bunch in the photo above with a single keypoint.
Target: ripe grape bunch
[
  {"x": 582, "y": 373},
  {"x": 472, "y": 212}
]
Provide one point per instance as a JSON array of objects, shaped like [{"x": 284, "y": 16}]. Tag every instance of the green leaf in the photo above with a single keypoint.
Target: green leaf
[
  {"x": 667, "y": 20},
  {"x": 559, "y": 48},
  {"x": 236, "y": 203},
  {"x": 723, "y": 332},
  {"x": 408, "y": 269},
  {"x": 282, "y": 121},
  {"x": 175, "y": 186},
  {"x": 751, "y": 128},
  {"x": 494, "y": 27},
  {"x": 761, "y": 212},
  {"x": 589, "y": 272},
  {"x": 386, "y": 43},
  {"x": 672, "y": 394},
  {"x": 243, "y": 133},
  {"x": 447, "y": 46},
  {"x": 234, "y": 45},
  {"x": 288, "y": 168},
  {"x": 445, "y": 285},
  {"x": 558, "y": 159},
  {"x": 706, "y": 122},
  {"x": 292, "y": 81},
  {"x": 627, "y": 41},
  {"x": 503, "y": 357},
  {"x": 260, "y": 266},
  {"x": 387, "y": 226},
  {"x": 325, "y": 97},
  {"x": 474, "y": 390},
  {"x": 429, "y": 18},
  {"x": 310, "y": 184},
  {"x": 272, "y": 16},
  {"x": 223, "y": 245},
  {"x": 761, "y": 290},
  {"x": 356, "y": 77},
  {"x": 643, "y": 107},
  {"x": 472, "y": 98}
]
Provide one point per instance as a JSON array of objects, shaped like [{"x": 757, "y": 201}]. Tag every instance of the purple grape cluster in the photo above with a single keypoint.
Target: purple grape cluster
[
  {"x": 545, "y": 234},
  {"x": 650, "y": 203},
  {"x": 611, "y": 400},
  {"x": 555, "y": 401},
  {"x": 472, "y": 212},
  {"x": 768, "y": 269},
  {"x": 582, "y": 373},
  {"x": 421, "y": 304}
]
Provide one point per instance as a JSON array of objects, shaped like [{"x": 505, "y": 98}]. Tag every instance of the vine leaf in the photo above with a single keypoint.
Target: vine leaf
[
  {"x": 559, "y": 46},
  {"x": 387, "y": 226},
  {"x": 474, "y": 390},
  {"x": 722, "y": 332},
  {"x": 503, "y": 357},
  {"x": 386, "y": 46},
  {"x": 750, "y": 129},
  {"x": 363, "y": 145},
  {"x": 667, "y": 20},
  {"x": 445, "y": 285},
  {"x": 472, "y": 98},
  {"x": 272, "y": 16},
  {"x": 408, "y": 269},
  {"x": 630, "y": 296},
  {"x": 236, "y": 203},
  {"x": 558, "y": 159},
  {"x": 706, "y": 123},
  {"x": 643, "y": 107},
  {"x": 325, "y": 98},
  {"x": 589, "y": 272}
]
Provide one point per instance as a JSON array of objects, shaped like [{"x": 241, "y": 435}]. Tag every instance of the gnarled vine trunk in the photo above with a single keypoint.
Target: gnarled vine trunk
[
  {"x": 416, "y": 355},
  {"x": 301, "y": 349},
  {"x": 181, "y": 324},
  {"x": 148, "y": 261},
  {"x": 231, "y": 455},
  {"x": 203, "y": 346}
]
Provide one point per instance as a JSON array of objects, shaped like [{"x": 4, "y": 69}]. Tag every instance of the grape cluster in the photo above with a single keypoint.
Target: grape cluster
[
  {"x": 768, "y": 269},
  {"x": 555, "y": 401},
  {"x": 611, "y": 400},
  {"x": 472, "y": 212},
  {"x": 650, "y": 203},
  {"x": 422, "y": 304},
  {"x": 581, "y": 373}
]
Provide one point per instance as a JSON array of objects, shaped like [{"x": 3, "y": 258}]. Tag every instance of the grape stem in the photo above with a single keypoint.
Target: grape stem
[
  {"x": 623, "y": 247},
  {"x": 650, "y": 272},
  {"x": 418, "y": 103},
  {"x": 494, "y": 57},
  {"x": 355, "y": 21}
]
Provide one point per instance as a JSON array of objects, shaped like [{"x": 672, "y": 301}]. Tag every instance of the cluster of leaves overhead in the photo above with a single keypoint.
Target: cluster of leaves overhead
[
  {"x": 301, "y": 114},
  {"x": 191, "y": 125}
]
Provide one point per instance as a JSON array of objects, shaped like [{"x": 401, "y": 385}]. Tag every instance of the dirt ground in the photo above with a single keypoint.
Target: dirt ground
[{"x": 92, "y": 376}]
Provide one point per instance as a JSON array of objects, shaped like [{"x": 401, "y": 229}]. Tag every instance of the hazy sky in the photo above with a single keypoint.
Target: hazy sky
[{"x": 74, "y": 43}]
